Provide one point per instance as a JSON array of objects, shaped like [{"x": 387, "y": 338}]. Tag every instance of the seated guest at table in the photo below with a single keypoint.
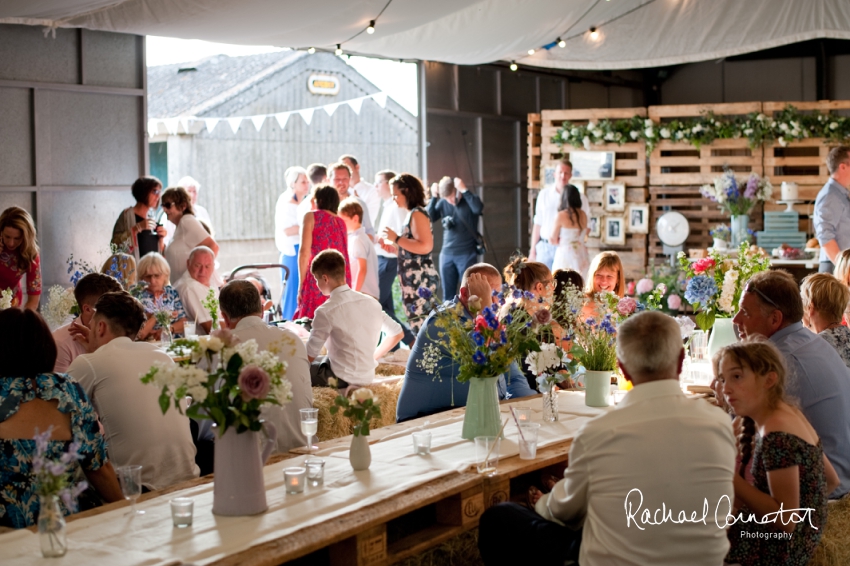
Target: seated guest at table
[
  {"x": 424, "y": 393},
  {"x": 189, "y": 233},
  {"x": 194, "y": 287},
  {"x": 242, "y": 312},
  {"x": 605, "y": 274},
  {"x": 155, "y": 292},
  {"x": 137, "y": 432},
  {"x": 817, "y": 377},
  {"x": 351, "y": 323},
  {"x": 656, "y": 448},
  {"x": 824, "y": 299},
  {"x": 362, "y": 257},
  {"x": 842, "y": 273},
  {"x": 19, "y": 256},
  {"x": 122, "y": 267},
  {"x": 789, "y": 466},
  {"x": 88, "y": 290},
  {"x": 33, "y": 399},
  {"x": 564, "y": 277}
]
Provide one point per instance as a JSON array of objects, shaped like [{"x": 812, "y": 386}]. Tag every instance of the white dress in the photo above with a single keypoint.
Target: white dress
[{"x": 571, "y": 252}]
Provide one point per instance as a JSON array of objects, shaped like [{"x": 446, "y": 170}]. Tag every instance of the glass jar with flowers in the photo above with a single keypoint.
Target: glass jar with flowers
[
  {"x": 551, "y": 365},
  {"x": 738, "y": 198}
]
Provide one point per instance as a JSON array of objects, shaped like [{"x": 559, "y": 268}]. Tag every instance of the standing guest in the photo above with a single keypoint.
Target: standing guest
[
  {"x": 19, "y": 256},
  {"x": 360, "y": 188},
  {"x": 569, "y": 233},
  {"x": 351, "y": 323},
  {"x": 286, "y": 233},
  {"x": 189, "y": 233},
  {"x": 832, "y": 209},
  {"x": 136, "y": 430},
  {"x": 361, "y": 251},
  {"x": 242, "y": 312},
  {"x": 156, "y": 293},
  {"x": 322, "y": 230},
  {"x": 417, "y": 275},
  {"x": 135, "y": 232},
  {"x": 341, "y": 180},
  {"x": 423, "y": 393},
  {"x": 771, "y": 306},
  {"x": 389, "y": 216},
  {"x": 789, "y": 467},
  {"x": 318, "y": 175},
  {"x": 842, "y": 273},
  {"x": 194, "y": 287},
  {"x": 655, "y": 449},
  {"x": 33, "y": 399},
  {"x": 193, "y": 188},
  {"x": 824, "y": 301},
  {"x": 459, "y": 211},
  {"x": 122, "y": 267},
  {"x": 546, "y": 209},
  {"x": 87, "y": 291}
]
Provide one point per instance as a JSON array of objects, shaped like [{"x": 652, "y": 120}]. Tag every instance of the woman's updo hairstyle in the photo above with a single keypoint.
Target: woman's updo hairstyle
[{"x": 523, "y": 274}]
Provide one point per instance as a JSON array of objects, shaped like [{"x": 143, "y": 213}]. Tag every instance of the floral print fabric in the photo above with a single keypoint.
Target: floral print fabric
[
  {"x": 839, "y": 338},
  {"x": 170, "y": 300},
  {"x": 418, "y": 277},
  {"x": 18, "y": 501}
]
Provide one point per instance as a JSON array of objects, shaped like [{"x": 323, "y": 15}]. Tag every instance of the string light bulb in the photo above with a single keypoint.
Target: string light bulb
[
  {"x": 371, "y": 29},
  {"x": 531, "y": 51},
  {"x": 338, "y": 50},
  {"x": 594, "y": 34},
  {"x": 561, "y": 43},
  {"x": 514, "y": 66},
  {"x": 311, "y": 50}
]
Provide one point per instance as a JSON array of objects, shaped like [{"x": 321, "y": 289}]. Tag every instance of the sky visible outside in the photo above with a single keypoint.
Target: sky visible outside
[{"x": 398, "y": 80}]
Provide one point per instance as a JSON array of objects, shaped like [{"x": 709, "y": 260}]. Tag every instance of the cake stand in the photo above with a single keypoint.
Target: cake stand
[{"x": 790, "y": 204}]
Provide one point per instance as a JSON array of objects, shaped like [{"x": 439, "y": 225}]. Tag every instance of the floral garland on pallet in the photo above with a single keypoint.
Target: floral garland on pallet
[{"x": 789, "y": 125}]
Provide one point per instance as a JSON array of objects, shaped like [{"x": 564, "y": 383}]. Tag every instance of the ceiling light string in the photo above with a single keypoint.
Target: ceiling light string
[{"x": 370, "y": 29}]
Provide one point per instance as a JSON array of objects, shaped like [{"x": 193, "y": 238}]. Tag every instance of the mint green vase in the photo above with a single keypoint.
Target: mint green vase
[
  {"x": 722, "y": 334},
  {"x": 482, "y": 408}
]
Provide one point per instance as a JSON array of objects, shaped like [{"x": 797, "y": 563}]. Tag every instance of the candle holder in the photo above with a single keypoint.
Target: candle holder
[
  {"x": 315, "y": 471},
  {"x": 295, "y": 479},
  {"x": 523, "y": 414},
  {"x": 422, "y": 443},
  {"x": 182, "y": 509}
]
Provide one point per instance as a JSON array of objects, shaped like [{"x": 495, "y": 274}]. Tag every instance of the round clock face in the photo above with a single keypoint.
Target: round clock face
[{"x": 672, "y": 229}]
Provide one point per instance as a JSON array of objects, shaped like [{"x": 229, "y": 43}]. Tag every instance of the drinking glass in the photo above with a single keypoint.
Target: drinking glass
[
  {"x": 528, "y": 440},
  {"x": 131, "y": 486},
  {"x": 422, "y": 443},
  {"x": 487, "y": 454},
  {"x": 181, "y": 511},
  {"x": 309, "y": 426},
  {"x": 189, "y": 328},
  {"x": 315, "y": 471},
  {"x": 699, "y": 345}
]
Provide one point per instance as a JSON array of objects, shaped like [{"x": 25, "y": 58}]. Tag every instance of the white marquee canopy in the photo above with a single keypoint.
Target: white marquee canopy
[{"x": 629, "y": 33}]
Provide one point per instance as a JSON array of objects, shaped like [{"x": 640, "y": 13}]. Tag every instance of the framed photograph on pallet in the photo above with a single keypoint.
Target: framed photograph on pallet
[
  {"x": 594, "y": 224},
  {"x": 615, "y": 231},
  {"x": 615, "y": 197},
  {"x": 638, "y": 218}
]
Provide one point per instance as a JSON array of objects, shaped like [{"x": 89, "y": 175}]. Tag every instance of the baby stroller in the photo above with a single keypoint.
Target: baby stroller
[{"x": 251, "y": 272}]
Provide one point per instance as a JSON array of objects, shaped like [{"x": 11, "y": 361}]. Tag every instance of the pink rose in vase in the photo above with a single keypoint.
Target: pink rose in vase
[{"x": 254, "y": 382}]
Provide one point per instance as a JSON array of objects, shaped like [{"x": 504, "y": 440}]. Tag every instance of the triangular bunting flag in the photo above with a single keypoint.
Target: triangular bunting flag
[
  {"x": 235, "y": 123},
  {"x": 331, "y": 108},
  {"x": 282, "y": 118},
  {"x": 307, "y": 114},
  {"x": 380, "y": 98},
  {"x": 211, "y": 123},
  {"x": 356, "y": 104},
  {"x": 171, "y": 125},
  {"x": 184, "y": 121},
  {"x": 258, "y": 121},
  {"x": 153, "y": 128}
]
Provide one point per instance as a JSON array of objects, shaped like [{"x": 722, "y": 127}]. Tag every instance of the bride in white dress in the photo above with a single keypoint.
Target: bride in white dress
[{"x": 569, "y": 233}]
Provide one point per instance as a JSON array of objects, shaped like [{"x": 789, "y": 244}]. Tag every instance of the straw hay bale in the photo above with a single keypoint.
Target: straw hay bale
[
  {"x": 389, "y": 370},
  {"x": 335, "y": 426},
  {"x": 459, "y": 551},
  {"x": 834, "y": 547}
]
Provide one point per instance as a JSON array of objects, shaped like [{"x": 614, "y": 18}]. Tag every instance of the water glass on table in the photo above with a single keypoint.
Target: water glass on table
[
  {"x": 422, "y": 443},
  {"x": 131, "y": 485},
  {"x": 315, "y": 471},
  {"x": 309, "y": 426},
  {"x": 189, "y": 328},
  {"x": 487, "y": 454},
  {"x": 182, "y": 509},
  {"x": 528, "y": 440}
]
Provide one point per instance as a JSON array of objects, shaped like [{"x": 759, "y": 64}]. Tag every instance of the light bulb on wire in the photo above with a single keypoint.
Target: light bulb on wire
[
  {"x": 371, "y": 29},
  {"x": 531, "y": 51},
  {"x": 594, "y": 34},
  {"x": 561, "y": 43},
  {"x": 338, "y": 50},
  {"x": 514, "y": 66},
  {"x": 311, "y": 50}
]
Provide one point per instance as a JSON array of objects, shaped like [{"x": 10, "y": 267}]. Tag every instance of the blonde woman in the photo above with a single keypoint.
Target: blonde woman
[
  {"x": 605, "y": 274},
  {"x": 842, "y": 273},
  {"x": 824, "y": 301},
  {"x": 19, "y": 256},
  {"x": 156, "y": 294}
]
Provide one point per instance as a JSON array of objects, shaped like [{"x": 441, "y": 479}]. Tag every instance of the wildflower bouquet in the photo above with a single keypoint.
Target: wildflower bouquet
[
  {"x": 721, "y": 232},
  {"x": 660, "y": 289},
  {"x": 211, "y": 304},
  {"x": 594, "y": 342},
  {"x": 552, "y": 365},
  {"x": 239, "y": 381},
  {"x": 738, "y": 198},
  {"x": 361, "y": 409},
  {"x": 6, "y": 297},
  {"x": 715, "y": 283}
]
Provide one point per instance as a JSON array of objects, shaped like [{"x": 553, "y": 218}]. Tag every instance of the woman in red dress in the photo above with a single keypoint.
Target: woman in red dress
[
  {"x": 19, "y": 256},
  {"x": 322, "y": 230}
]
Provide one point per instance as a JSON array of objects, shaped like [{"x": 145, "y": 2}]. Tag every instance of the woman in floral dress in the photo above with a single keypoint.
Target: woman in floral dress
[
  {"x": 788, "y": 464},
  {"x": 416, "y": 272},
  {"x": 19, "y": 256},
  {"x": 322, "y": 230}
]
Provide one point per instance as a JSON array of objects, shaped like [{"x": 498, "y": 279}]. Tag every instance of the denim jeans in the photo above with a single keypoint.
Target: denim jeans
[
  {"x": 545, "y": 253},
  {"x": 452, "y": 267}
]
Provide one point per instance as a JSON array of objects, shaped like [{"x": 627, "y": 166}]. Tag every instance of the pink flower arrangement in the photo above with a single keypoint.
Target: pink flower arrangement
[
  {"x": 543, "y": 316},
  {"x": 645, "y": 285},
  {"x": 674, "y": 302},
  {"x": 254, "y": 382},
  {"x": 630, "y": 288},
  {"x": 626, "y": 306},
  {"x": 704, "y": 264}
]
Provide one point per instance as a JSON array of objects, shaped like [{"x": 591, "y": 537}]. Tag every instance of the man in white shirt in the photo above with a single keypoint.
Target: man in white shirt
[
  {"x": 341, "y": 181},
  {"x": 194, "y": 286},
  {"x": 242, "y": 312},
  {"x": 362, "y": 257},
  {"x": 137, "y": 432},
  {"x": 545, "y": 212},
  {"x": 87, "y": 291},
  {"x": 351, "y": 323},
  {"x": 656, "y": 450},
  {"x": 360, "y": 188}
]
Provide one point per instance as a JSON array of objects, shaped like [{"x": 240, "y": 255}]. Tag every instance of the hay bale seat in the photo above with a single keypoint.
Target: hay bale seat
[
  {"x": 336, "y": 426},
  {"x": 834, "y": 547}
]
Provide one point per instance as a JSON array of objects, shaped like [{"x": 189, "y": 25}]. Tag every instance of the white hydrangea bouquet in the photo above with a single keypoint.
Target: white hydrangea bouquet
[
  {"x": 6, "y": 299},
  {"x": 240, "y": 380},
  {"x": 551, "y": 365},
  {"x": 60, "y": 305}
]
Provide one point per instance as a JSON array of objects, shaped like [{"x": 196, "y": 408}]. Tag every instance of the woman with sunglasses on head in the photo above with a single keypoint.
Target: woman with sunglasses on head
[
  {"x": 135, "y": 232},
  {"x": 189, "y": 234}
]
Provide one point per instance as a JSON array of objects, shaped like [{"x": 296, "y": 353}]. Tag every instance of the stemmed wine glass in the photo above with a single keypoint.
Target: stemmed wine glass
[
  {"x": 309, "y": 426},
  {"x": 131, "y": 485}
]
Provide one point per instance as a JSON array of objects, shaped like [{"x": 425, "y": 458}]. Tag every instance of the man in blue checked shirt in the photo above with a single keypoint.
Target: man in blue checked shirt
[{"x": 832, "y": 209}]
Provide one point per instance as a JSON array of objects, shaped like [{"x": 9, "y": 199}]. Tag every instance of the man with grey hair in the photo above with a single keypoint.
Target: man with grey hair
[
  {"x": 656, "y": 449},
  {"x": 194, "y": 286},
  {"x": 193, "y": 188},
  {"x": 242, "y": 312},
  {"x": 832, "y": 209}
]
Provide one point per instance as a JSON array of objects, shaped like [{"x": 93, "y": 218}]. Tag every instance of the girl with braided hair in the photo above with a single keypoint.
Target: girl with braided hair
[{"x": 788, "y": 464}]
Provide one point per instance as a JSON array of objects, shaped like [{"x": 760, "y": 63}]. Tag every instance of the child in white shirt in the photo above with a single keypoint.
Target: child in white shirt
[{"x": 362, "y": 257}]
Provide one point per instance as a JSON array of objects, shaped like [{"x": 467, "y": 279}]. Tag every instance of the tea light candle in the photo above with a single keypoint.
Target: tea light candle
[
  {"x": 523, "y": 414},
  {"x": 295, "y": 478}
]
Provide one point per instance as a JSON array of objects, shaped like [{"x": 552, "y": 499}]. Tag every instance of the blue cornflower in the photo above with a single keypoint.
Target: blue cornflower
[
  {"x": 424, "y": 292},
  {"x": 493, "y": 323},
  {"x": 607, "y": 326},
  {"x": 590, "y": 322},
  {"x": 479, "y": 358},
  {"x": 701, "y": 289},
  {"x": 478, "y": 338},
  {"x": 540, "y": 300},
  {"x": 517, "y": 294},
  {"x": 76, "y": 277},
  {"x": 528, "y": 295},
  {"x": 494, "y": 346},
  {"x": 503, "y": 338},
  {"x": 640, "y": 306},
  {"x": 509, "y": 318}
]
